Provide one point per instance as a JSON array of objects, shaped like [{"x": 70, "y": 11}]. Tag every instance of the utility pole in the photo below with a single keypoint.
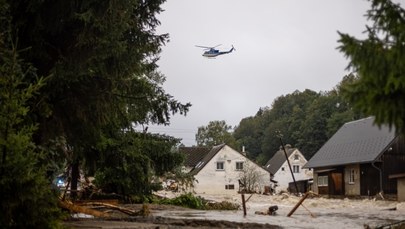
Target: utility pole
[{"x": 279, "y": 135}]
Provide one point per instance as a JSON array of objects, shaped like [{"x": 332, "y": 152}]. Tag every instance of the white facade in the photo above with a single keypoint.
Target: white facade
[
  {"x": 221, "y": 174},
  {"x": 283, "y": 175}
]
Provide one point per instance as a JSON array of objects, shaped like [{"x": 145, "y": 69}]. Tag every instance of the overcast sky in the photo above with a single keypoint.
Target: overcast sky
[{"x": 281, "y": 46}]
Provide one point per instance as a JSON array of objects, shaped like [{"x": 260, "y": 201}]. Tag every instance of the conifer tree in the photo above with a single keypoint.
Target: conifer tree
[
  {"x": 100, "y": 58},
  {"x": 379, "y": 62},
  {"x": 27, "y": 200}
]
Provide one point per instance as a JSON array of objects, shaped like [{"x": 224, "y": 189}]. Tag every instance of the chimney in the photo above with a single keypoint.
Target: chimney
[{"x": 243, "y": 151}]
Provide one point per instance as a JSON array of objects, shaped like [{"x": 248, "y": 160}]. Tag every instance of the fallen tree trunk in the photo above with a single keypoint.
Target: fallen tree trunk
[
  {"x": 121, "y": 209},
  {"x": 80, "y": 209}
]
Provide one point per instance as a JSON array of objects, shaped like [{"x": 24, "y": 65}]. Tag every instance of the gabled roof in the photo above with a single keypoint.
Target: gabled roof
[
  {"x": 193, "y": 154},
  {"x": 201, "y": 164},
  {"x": 355, "y": 142},
  {"x": 275, "y": 163}
]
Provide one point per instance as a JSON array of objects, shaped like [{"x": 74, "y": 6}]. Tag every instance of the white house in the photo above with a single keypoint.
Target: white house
[
  {"x": 280, "y": 171},
  {"x": 221, "y": 170}
]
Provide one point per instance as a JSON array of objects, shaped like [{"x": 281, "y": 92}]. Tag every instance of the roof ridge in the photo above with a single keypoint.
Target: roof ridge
[{"x": 359, "y": 120}]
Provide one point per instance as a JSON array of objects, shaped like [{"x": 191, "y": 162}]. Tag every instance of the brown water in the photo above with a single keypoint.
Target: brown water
[{"x": 300, "y": 219}]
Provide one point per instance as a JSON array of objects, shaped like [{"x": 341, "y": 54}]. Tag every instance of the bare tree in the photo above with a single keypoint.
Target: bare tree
[{"x": 249, "y": 178}]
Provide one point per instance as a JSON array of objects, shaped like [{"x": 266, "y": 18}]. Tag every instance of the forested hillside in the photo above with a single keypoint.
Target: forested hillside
[{"x": 305, "y": 119}]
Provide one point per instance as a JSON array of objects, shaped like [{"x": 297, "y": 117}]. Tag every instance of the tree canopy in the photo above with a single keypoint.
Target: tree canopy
[
  {"x": 100, "y": 62},
  {"x": 379, "y": 64},
  {"x": 306, "y": 120},
  {"x": 97, "y": 61},
  {"x": 26, "y": 198},
  {"x": 215, "y": 133}
]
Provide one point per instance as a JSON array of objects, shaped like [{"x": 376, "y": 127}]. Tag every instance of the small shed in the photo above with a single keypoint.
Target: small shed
[
  {"x": 302, "y": 185},
  {"x": 358, "y": 159},
  {"x": 400, "y": 185}
]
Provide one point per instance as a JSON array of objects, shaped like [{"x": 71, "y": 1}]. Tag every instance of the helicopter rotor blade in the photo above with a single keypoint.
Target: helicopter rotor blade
[{"x": 205, "y": 47}]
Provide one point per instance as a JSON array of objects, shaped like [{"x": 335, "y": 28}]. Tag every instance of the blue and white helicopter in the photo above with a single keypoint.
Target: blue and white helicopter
[{"x": 211, "y": 52}]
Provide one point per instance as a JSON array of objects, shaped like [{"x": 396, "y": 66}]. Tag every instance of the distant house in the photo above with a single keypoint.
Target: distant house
[
  {"x": 221, "y": 169},
  {"x": 358, "y": 160},
  {"x": 280, "y": 171}
]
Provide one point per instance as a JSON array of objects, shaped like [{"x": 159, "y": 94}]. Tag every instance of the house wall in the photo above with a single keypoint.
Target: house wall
[
  {"x": 213, "y": 181},
  {"x": 393, "y": 163},
  {"x": 352, "y": 188},
  {"x": 332, "y": 179},
  {"x": 283, "y": 175},
  {"x": 324, "y": 189},
  {"x": 370, "y": 179},
  {"x": 401, "y": 189},
  {"x": 315, "y": 185}
]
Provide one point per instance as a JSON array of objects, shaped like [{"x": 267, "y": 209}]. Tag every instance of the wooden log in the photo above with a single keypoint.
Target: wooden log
[
  {"x": 244, "y": 204},
  {"x": 115, "y": 207},
  {"x": 298, "y": 204},
  {"x": 249, "y": 198},
  {"x": 106, "y": 201},
  {"x": 312, "y": 215},
  {"x": 80, "y": 209}
]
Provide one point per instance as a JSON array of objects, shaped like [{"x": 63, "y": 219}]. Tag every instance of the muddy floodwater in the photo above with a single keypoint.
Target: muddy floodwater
[
  {"x": 301, "y": 219},
  {"x": 316, "y": 212}
]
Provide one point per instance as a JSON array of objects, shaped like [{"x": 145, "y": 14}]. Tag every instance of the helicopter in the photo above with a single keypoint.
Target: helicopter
[{"x": 212, "y": 52}]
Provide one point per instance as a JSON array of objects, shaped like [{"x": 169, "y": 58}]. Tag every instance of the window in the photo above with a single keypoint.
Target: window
[
  {"x": 351, "y": 176},
  {"x": 322, "y": 181},
  {"x": 239, "y": 165},
  {"x": 296, "y": 157},
  {"x": 282, "y": 168},
  {"x": 230, "y": 186},
  {"x": 296, "y": 169},
  {"x": 220, "y": 165}
]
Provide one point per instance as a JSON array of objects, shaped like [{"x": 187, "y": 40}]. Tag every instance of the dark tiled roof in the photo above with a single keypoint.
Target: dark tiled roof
[
  {"x": 198, "y": 157},
  {"x": 201, "y": 164},
  {"x": 274, "y": 164},
  {"x": 355, "y": 142},
  {"x": 193, "y": 154}
]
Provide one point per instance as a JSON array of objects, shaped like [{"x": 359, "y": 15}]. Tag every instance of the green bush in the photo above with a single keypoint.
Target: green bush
[
  {"x": 186, "y": 200},
  {"x": 196, "y": 202}
]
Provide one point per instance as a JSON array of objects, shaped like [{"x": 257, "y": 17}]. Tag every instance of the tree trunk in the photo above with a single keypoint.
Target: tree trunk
[
  {"x": 75, "y": 179},
  {"x": 76, "y": 208}
]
